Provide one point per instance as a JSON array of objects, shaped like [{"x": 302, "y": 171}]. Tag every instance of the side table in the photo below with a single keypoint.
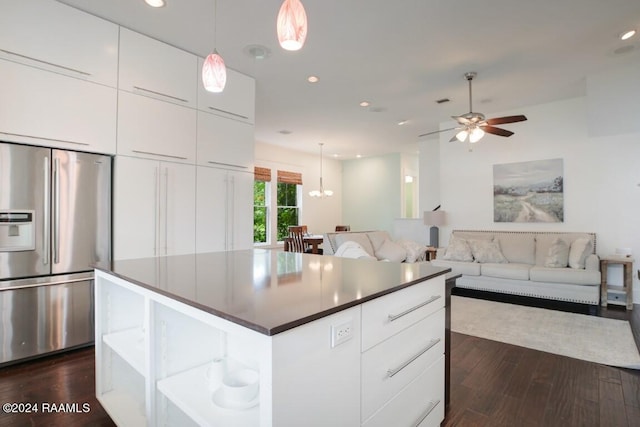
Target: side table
[
  {"x": 616, "y": 294},
  {"x": 431, "y": 253}
]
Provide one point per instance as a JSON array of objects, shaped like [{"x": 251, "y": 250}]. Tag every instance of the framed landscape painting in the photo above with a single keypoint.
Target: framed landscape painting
[{"x": 528, "y": 191}]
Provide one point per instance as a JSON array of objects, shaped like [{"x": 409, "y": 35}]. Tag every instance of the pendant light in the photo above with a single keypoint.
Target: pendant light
[
  {"x": 322, "y": 192},
  {"x": 214, "y": 72},
  {"x": 292, "y": 25}
]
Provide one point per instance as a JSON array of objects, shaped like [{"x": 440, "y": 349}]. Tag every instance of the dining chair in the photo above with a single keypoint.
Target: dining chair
[
  {"x": 295, "y": 240},
  {"x": 343, "y": 228}
]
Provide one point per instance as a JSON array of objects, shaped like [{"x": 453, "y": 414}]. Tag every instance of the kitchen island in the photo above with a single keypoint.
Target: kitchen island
[{"x": 270, "y": 338}]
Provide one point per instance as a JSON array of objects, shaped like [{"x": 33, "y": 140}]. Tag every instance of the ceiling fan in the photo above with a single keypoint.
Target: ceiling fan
[{"x": 473, "y": 126}]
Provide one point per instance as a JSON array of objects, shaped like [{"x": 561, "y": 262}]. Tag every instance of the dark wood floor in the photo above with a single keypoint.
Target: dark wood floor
[{"x": 492, "y": 384}]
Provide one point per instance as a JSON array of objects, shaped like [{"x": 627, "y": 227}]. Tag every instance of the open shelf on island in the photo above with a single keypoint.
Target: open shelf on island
[
  {"x": 124, "y": 408},
  {"x": 189, "y": 391},
  {"x": 128, "y": 344}
]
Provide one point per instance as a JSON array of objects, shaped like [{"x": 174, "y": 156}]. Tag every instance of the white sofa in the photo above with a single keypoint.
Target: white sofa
[
  {"x": 526, "y": 269},
  {"x": 377, "y": 245}
]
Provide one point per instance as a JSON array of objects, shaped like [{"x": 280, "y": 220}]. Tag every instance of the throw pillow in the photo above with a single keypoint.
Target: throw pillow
[
  {"x": 458, "y": 250},
  {"x": 579, "y": 251},
  {"x": 415, "y": 251},
  {"x": 350, "y": 249},
  {"x": 391, "y": 251},
  {"x": 487, "y": 251},
  {"x": 558, "y": 254},
  {"x": 359, "y": 238}
]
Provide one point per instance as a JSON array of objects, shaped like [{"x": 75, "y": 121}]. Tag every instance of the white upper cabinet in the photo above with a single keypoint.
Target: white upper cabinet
[
  {"x": 155, "y": 129},
  {"x": 55, "y": 37},
  {"x": 237, "y": 100},
  {"x": 224, "y": 143},
  {"x": 155, "y": 69},
  {"x": 37, "y": 107}
]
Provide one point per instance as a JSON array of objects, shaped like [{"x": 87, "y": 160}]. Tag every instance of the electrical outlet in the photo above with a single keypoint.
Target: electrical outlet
[{"x": 341, "y": 333}]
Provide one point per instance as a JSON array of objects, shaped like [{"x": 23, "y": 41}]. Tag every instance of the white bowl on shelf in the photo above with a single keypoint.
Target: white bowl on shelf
[{"x": 240, "y": 386}]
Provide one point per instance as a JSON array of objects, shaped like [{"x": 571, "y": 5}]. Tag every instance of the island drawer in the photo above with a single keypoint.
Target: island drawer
[
  {"x": 421, "y": 403},
  {"x": 390, "y": 314},
  {"x": 391, "y": 365}
]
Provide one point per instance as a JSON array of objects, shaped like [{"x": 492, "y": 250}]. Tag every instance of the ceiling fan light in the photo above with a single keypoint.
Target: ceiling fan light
[
  {"x": 292, "y": 25},
  {"x": 328, "y": 193},
  {"x": 476, "y": 135},
  {"x": 214, "y": 73},
  {"x": 315, "y": 193},
  {"x": 462, "y": 135}
]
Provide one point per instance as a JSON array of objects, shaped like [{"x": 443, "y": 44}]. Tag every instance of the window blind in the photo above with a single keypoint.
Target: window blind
[
  {"x": 290, "y": 177},
  {"x": 262, "y": 174}
]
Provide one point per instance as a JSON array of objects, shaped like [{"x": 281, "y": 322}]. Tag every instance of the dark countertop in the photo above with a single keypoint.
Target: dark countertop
[{"x": 270, "y": 291}]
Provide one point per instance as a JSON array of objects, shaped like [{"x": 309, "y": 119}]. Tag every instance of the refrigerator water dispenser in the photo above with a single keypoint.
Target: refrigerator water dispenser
[{"x": 17, "y": 231}]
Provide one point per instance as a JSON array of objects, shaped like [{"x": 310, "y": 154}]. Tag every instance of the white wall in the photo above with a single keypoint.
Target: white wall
[
  {"x": 372, "y": 190},
  {"x": 601, "y": 173},
  {"x": 320, "y": 215}
]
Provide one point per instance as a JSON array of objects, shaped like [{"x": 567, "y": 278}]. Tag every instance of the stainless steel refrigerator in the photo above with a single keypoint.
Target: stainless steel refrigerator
[{"x": 55, "y": 222}]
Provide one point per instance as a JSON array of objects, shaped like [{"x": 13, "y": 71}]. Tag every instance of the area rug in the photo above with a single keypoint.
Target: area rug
[{"x": 592, "y": 338}]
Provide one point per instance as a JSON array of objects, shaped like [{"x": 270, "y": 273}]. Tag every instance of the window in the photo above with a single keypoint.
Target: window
[
  {"x": 288, "y": 195},
  {"x": 261, "y": 184}
]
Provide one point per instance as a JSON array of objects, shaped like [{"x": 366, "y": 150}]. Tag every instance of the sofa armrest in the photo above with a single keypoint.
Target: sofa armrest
[{"x": 592, "y": 263}]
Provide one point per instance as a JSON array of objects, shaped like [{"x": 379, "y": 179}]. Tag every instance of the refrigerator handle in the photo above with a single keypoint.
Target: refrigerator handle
[
  {"x": 46, "y": 214},
  {"x": 56, "y": 211},
  {"x": 166, "y": 209},
  {"x": 156, "y": 211}
]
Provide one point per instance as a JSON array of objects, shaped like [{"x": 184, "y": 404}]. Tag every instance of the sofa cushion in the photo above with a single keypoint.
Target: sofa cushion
[
  {"x": 487, "y": 251},
  {"x": 545, "y": 240},
  {"x": 579, "y": 251},
  {"x": 506, "y": 271},
  {"x": 564, "y": 275},
  {"x": 558, "y": 254},
  {"x": 391, "y": 251},
  {"x": 377, "y": 238},
  {"x": 518, "y": 247},
  {"x": 360, "y": 238},
  {"x": 415, "y": 251},
  {"x": 458, "y": 250},
  {"x": 458, "y": 267}
]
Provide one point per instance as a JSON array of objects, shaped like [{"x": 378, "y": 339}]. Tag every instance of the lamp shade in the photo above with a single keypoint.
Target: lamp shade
[
  {"x": 214, "y": 73},
  {"x": 292, "y": 25},
  {"x": 436, "y": 218}
]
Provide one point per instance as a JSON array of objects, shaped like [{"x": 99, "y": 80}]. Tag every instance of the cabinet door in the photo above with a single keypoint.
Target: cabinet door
[
  {"x": 178, "y": 213},
  {"x": 224, "y": 142},
  {"x": 39, "y": 107},
  {"x": 237, "y": 100},
  {"x": 155, "y": 129},
  {"x": 212, "y": 199},
  {"x": 152, "y": 68},
  {"x": 136, "y": 200},
  {"x": 241, "y": 214},
  {"x": 59, "y": 38}
]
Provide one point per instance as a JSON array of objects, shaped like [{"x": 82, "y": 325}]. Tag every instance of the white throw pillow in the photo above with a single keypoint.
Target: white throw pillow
[
  {"x": 487, "y": 251},
  {"x": 415, "y": 251},
  {"x": 350, "y": 249},
  {"x": 558, "y": 254},
  {"x": 458, "y": 250},
  {"x": 391, "y": 251},
  {"x": 359, "y": 238},
  {"x": 580, "y": 250}
]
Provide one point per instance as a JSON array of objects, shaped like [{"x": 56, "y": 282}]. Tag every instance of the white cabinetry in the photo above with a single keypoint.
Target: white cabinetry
[
  {"x": 43, "y": 108},
  {"x": 224, "y": 210},
  {"x": 237, "y": 101},
  {"x": 155, "y": 129},
  {"x": 224, "y": 142},
  {"x": 155, "y": 69},
  {"x": 55, "y": 37},
  {"x": 154, "y": 208}
]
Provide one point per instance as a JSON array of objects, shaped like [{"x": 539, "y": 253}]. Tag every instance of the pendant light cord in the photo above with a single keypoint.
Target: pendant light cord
[{"x": 215, "y": 24}]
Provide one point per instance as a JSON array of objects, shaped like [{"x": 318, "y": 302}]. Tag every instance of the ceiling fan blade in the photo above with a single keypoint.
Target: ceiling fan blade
[
  {"x": 496, "y": 131},
  {"x": 506, "y": 119},
  {"x": 461, "y": 120},
  {"x": 435, "y": 131}
]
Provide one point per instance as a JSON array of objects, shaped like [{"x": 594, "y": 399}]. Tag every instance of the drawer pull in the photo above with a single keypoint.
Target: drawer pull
[
  {"x": 392, "y": 372},
  {"x": 158, "y": 154},
  {"x": 227, "y": 164},
  {"x": 141, "y": 89},
  {"x": 432, "y": 406},
  {"x": 43, "y": 138},
  {"x": 30, "y": 58},
  {"x": 393, "y": 317}
]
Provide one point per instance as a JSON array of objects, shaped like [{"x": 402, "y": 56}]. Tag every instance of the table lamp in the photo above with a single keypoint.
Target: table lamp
[{"x": 434, "y": 219}]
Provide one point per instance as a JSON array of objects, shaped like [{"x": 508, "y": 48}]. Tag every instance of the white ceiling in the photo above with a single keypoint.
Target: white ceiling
[{"x": 400, "y": 55}]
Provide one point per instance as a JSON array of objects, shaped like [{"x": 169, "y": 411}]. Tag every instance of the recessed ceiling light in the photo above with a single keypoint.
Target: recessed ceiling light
[
  {"x": 313, "y": 79},
  {"x": 402, "y": 122},
  {"x": 155, "y": 3},
  {"x": 627, "y": 35},
  {"x": 358, "y": 155},
  {"x": 365, "y": 104},
  {"x": 336, "y": 155}
]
